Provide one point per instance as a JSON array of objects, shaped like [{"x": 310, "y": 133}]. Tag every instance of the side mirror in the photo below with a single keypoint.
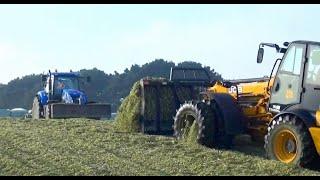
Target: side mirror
[
  {"x": 88, "y": 79},
  {"x": 44, "y": 78},
  {"x": 286, "y": 44},
  {"x": 260, "y": 55}
]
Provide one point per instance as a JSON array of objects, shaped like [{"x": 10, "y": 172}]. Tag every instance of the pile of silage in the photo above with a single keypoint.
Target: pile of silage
[
  {"x": 129, "y": 113},
  {"x": 191, "y": 134}
]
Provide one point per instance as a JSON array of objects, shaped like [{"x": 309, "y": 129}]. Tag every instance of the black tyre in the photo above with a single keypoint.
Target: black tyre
[
  {"x": 207, "y": 120},
  {"x": 186, "y": 115},
  {"x": 36, "y": 111},
  {"x": 289, "y": 141}
]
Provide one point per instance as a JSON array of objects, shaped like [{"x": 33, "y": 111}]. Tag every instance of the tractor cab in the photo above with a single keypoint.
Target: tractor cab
[{"x": 56, "y": 83}]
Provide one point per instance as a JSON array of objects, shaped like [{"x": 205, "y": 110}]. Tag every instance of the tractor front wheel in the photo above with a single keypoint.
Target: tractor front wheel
[{"x": 36, "y": 111}]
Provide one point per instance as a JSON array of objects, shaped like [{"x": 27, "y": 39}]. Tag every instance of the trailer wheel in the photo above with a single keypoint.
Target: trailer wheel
[
  {"x": 206, "y": 124},
  {"x": 289, "y": 141},
  {"x": 36, "y": 111}
]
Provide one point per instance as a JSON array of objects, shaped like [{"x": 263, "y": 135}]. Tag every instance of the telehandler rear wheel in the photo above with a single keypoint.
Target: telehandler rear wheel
[
  {"x": 206, "y": 119},
  {"x": 289, "y": 141},
  {"x": 186, "y": 116},
  {"x": 36, "y": 112}
]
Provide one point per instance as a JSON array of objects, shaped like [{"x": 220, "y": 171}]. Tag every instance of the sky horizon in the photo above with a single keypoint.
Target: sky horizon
[{"x": 36, "y": 38}]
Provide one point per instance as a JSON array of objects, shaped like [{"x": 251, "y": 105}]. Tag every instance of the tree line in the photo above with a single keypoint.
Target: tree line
[{"x": 103, "y": 87}]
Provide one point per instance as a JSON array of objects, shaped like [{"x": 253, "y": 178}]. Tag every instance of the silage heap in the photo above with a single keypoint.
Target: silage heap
[
  {"x": 127, "y": 119},
  {"x": 151, "y": 106}
]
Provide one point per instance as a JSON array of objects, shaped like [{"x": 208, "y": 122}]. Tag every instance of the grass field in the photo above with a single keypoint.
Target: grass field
[{"x": 84, "y": 147}]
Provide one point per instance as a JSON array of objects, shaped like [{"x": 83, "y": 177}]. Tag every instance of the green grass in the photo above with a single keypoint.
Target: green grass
[{"x": 85, "y": 147}]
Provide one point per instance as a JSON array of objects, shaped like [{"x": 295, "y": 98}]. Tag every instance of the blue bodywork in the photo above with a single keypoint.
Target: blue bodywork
[
  {"x": 69, "y": 96},
  {"x": 43, "y": 97},
  {"x": 62, "y": 74}
]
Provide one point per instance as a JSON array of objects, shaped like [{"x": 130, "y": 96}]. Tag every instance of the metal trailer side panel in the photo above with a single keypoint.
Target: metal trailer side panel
[{"x": 97, "y": 110}]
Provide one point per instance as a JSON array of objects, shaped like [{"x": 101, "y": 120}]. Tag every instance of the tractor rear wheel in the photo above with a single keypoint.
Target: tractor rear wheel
[
  {"x": 36, "y": 112},
  {"x": 46, "y": 112},
  {"x": 289, "y": 141}
]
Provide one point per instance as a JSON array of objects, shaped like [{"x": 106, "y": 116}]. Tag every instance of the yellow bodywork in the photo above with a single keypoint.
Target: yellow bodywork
[
  {"x": 315, "y": 134},
  {"x": 248, "y": 90},
  {"x": 257, "y": 113}
]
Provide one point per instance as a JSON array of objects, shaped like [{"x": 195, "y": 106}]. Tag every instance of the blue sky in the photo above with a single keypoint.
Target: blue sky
[{"x": 35, "y": 38}]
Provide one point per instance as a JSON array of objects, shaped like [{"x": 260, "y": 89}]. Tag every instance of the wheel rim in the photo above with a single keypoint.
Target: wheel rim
[{"x": 285, "y": 146}]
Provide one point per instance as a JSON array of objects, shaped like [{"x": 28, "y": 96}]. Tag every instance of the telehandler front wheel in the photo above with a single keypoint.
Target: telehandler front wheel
[{"x": 289, "y": 141}]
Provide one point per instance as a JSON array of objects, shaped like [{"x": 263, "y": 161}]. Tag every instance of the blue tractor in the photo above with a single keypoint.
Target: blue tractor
[{"x": 61, "y": 97}]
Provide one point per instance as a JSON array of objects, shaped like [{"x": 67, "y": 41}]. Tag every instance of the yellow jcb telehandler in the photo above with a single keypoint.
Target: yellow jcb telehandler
[{"x": 282, "y": 110}]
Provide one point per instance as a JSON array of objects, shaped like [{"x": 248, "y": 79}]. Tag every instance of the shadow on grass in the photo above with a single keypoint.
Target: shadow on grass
[
  {"x": 245, "y": 145},
  {"x": 314, "y": 165}
]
